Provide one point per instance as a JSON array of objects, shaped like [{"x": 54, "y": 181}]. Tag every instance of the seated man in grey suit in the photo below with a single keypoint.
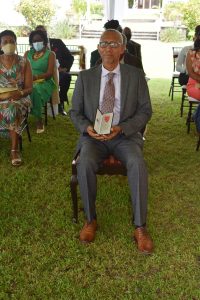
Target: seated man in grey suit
[{"x": 128, "y": 97}]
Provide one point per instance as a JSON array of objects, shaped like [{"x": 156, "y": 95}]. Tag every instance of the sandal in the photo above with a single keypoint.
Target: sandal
[
  {"x": 40, "y": 130},
  {"x": 16, "y": 161},
  {"x": 40, "y": 126}
]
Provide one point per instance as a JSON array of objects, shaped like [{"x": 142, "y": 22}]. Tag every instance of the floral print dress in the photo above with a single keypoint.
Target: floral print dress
[{"x": 12, "y": 114}]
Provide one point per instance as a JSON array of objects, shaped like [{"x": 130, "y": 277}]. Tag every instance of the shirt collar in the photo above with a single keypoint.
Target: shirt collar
[{"x": 115, "y": 71}]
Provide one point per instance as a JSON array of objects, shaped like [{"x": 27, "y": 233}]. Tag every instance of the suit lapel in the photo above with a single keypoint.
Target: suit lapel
[
  {"x": 124, "y": 87},
  {"x": 96, "y": 80}
]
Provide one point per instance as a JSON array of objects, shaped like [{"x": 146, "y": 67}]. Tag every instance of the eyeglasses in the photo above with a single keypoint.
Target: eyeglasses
[{"x": 111, "y": 44}]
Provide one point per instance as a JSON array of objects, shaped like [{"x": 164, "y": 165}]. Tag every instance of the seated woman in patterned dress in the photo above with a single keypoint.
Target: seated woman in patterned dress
[
  {"x": 15, "y": 87},
  {"x": 42, "y": 61},
  {"x": 193, "y": 68}
]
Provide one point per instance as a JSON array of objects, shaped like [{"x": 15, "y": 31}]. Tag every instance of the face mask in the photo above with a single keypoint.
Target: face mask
[
  {"x": 38, "y": 46},
  {"x": 9, "y": 49}
]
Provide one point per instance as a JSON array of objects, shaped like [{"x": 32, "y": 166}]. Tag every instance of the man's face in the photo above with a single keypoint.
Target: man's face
[{"x": 110, "y": 48}]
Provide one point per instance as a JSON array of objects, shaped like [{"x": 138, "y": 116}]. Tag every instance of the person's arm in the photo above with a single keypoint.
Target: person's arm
[
  {"x": 139, "y": 54},
  {"x": 190, "y": 70},
  {"x": 63, "y": 55},
  {"x": 28, "y": 79},
  {"x": 50, "y": 70},
  {"x": 77, "y": 114},
  {"x": 142, "y": 115},
  {"x": 28, "y": 84},
  {"x": 180, "y": 64}
]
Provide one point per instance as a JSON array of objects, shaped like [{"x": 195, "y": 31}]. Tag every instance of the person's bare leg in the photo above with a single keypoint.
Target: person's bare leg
[
  {"x": 15, "y": 155},
  {"x": 40, "y": 125}
]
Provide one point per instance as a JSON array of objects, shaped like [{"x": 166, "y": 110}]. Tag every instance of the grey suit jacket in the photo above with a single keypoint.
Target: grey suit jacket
[{"x": 135, "y": 101}]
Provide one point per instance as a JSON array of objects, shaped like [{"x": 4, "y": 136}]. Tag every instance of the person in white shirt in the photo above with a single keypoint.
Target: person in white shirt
[
  {"x": 132, "y": 110},
  {"x": 181, "y": 61}
]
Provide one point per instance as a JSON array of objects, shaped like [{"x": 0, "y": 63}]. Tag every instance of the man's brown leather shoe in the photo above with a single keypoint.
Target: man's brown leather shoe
[
  {"x": 143, "y": 240},
  {"x": 88, "y": 231}
]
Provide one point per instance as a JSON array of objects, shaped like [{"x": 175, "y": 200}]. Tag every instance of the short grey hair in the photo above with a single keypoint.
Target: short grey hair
[{"x": 114, "y": 31}]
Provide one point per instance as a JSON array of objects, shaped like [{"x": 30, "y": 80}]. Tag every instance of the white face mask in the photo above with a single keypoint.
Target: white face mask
[
  {"x": 9, "y": 49},
  {"x": 38, "y": 46}
]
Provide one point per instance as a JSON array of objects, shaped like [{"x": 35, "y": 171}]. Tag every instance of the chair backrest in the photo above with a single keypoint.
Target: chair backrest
[
  {"x": 79, "y": 57},
  {"x": 176, "y": 51}
]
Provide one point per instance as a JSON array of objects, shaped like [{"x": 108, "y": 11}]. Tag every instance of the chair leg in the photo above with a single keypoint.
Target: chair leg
[
  {"x": 172, "y": 89},
  {"x": 52, "y": 109},
  {"x": 189, "y": 117},
  {"x": 198, "y": 144},
  {"x": 45, "y": 114},
  {"x": 28, "y": 131},
  {"x": 20, "y": 142},
  {"x": 182, "y": 102},
  {"x": 73, "y": 188}
]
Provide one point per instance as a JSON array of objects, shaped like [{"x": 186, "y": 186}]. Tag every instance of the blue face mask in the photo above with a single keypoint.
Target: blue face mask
[{"x": 38, "y": 46}]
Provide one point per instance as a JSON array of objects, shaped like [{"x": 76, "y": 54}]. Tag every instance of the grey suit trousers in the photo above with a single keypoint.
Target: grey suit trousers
[{"x": 129, "y": 151}]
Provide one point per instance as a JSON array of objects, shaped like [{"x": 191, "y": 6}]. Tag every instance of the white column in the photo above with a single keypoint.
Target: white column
[
  {"x": 109, "y": 6},
  {"x": 88, "y": 11},
  {"x": 119, "y": 9}
]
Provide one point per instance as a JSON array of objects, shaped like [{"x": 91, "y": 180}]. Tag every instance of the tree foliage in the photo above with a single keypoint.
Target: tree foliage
[
  {"x": 186, "y": 12},
  {"x": 96, "y": 9},
  {"x": 173, "y": 11},
  {"x": 79, "y": 7},
  {"x": 191, "y": 15},
  {"x": 62, "y": 29},
  {"x": 36, "y": 12}
]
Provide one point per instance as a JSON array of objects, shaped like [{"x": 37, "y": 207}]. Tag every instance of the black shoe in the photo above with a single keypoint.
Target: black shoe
[
  {"x": 63, "y": 113},
  {"x": 61, "y": 110}
]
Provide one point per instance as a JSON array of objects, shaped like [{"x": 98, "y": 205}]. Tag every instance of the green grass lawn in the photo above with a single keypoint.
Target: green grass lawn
[{"x": 40, "y": 254}]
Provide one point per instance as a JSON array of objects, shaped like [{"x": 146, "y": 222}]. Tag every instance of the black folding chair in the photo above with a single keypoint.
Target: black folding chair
[{"x": 175, "y": 86}]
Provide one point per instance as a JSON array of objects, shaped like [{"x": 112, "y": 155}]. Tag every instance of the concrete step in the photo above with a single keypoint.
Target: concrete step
[
  {"x": 141, "y": 35},
  {"x": 144, "y": 35}
]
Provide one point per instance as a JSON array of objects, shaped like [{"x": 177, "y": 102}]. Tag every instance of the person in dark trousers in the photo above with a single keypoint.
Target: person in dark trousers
[
  {"x": 65, "y": 59},
  {"x": 121, "y": 89}
]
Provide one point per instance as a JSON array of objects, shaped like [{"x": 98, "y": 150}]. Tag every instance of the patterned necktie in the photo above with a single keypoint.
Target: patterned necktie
[{"x": 107, "y": 104}]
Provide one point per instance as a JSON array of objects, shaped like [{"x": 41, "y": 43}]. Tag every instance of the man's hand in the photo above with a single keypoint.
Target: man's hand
[
  {"x": 115, "y": 130},
  {"x": 93, "y": 134},
  {"x": 62, "y": 69}
]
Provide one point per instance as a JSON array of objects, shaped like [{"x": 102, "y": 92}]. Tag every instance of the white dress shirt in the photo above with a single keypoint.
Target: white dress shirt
[{"x": 181, "y": 61}]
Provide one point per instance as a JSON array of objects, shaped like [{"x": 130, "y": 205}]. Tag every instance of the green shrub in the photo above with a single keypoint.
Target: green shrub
[
  {"x": 63, "y": 29},
  {"x": 96, "y": 9},
  {"x": 171, "y": 35}
]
